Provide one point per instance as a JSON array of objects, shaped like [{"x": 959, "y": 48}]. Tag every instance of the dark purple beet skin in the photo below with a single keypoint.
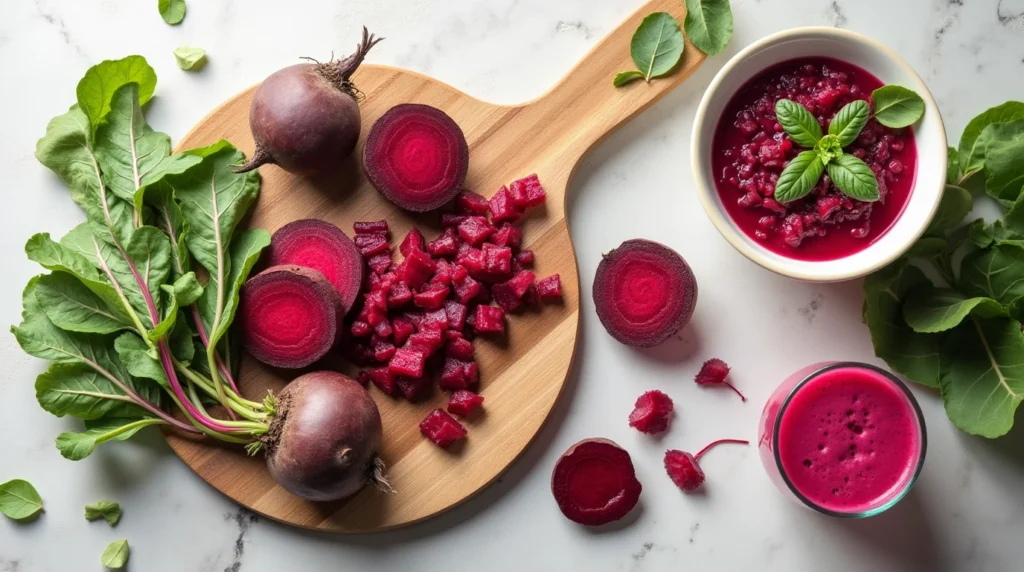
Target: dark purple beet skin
[{"x": 323, "y": 442}]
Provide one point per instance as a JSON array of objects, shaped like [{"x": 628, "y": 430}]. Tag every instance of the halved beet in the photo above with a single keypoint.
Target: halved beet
[
  {"x": 416, "y": 156},
  {"x": 644, "y": 293},
  {"x": 320, "y": 245},
  {"x": 289, "y": 316},
  {"x": 594, "y": 482}
]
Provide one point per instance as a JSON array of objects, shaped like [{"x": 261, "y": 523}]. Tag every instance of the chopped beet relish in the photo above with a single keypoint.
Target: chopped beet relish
[{"x": 751, "y": 149}]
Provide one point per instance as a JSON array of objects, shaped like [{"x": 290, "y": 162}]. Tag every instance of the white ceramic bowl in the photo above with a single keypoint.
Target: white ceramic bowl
[{"x": 886, "y": 65}]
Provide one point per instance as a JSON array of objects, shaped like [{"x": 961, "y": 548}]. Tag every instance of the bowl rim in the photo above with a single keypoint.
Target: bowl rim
[{"x": 708, "y": 193}]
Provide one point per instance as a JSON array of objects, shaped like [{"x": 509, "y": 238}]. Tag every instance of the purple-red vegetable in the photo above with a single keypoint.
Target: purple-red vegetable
[{"x": 321, "y": 246}]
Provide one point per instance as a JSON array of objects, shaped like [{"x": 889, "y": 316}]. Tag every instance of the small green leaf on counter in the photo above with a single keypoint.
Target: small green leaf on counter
[
  {"x": 656, "y": 48},
  {"x": 116, "y": 554},
  {"x": 622, "y": 78},
  {"x": 897, "y": 106},
  {"x": 190, "y": 58},
  {"x": 107, "y": 510},
  {"x": 172, "y": 11},
  {"x": 19, "y": 499},
  {"x": 708, "y": 24}
]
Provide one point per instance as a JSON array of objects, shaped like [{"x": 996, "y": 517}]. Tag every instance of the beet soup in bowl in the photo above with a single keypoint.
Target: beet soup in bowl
[{"x": 738, "y": 150}]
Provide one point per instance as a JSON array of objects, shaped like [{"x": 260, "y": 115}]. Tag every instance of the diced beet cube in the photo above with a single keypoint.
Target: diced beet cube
[
  {"x": 412, "y": 241},
  {"x": 456, "y": 312},
  {"x": 453, "y": 375},
  {"x": 508, "y": 235},
  {"x": 434, "y": 320},
  {"x": 458, "y": 273},
  {"x": 371, "y": 244},
  {"x": 413, "y": 389},
  {"x": 502, "y": 207},
  {"x": 550, "y": 288},
  {"x": 383, "y": 329},
  {"x": 407, "y": 362},
  {"x": 474, "y": 261},
  {"x": 384, "y": 351},
  {"x": 531, "y": 297},
  {"x": 414, "y": 316},
  {"x": 383, "y": 379},
  {"x": 431, "y": 297},
  {"x": 459, "y": 348},
  {"x": 380, "y": 263},
  {"x": 484, "y": 296},
  {"x": 521, "y": 282},
  {"x": 466, "y": 289},
  {"x": 447, "y": 244},
  {"x": 450, "y": 334},
  {"x": 497, "y": 260},
  {"x": 399, "y": 295},
  {"x": 443, "y": 274},
  {"x": 452, "y": 219},
  {"x": 425, "y": 342},
  {"x": 472, "y": 371},
  {"x": 403, "y": 328},
  {"x": 363, "y": 378},
  {"x": 475, "y": 230},
  {"x": 463, "y": 403},
  {"x": 419, "y": 267},
  {"x": 525, "y": 257},
  {"x": 368, "y": 227},
  {"x": 527, "y": 192},
  {"x": 468, "y": 202},
  {"x": 464, "y": 249},
  {"x": 442, "y": 428},
  {"x": 505, "y": 297},
  {"x": 361, "y": 329},
  {"x": 489, "y": 320}
]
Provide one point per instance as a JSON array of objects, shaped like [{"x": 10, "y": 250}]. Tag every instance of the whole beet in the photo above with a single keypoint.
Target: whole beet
[
  {"x": 305, "y": 118},
  {"x": 323, "y": 442}
]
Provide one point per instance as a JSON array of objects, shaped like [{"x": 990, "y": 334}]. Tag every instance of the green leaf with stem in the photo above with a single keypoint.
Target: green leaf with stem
[
  {"x": 850, "y": 121},
  {"x": 19, "y": 499},
  {"x": 799, "y": 177},
  {"x": 97, "y": 88},
  {"x": 78, "y": 390},
  {"x": 77, "y": 446},
  {"x": 1004, "y": 160},
  {"x": 952, "y": 166},
  {"x": 71, "y": 306},
  {"x": 897, "y": 106},
  {"x": 929, "y": 310},
  {"x": 853, "y": 177},
  {"x": 116, "y": 554},
  {"x": 955, "y": 205},
  {"x": 996, "y": 272},
  {"x": 971, "y": 152},
  {"x": 708, "y": 24},
  {"x": 622, "y": 78},
  {"x": 657, "y": 45},
  {"x": 172, "y": 11},
  {"x": 799, "y": 123},
  {"x": 109, "y": 511}
]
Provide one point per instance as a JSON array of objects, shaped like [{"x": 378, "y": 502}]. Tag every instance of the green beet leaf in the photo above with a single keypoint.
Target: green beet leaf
[
  {"x": 853, "y": 177},
  {"x": 897, "y": 106},
  {"x": 983, "y": 379},
  {"x": 137, "y": 357},
  {"x": 799, "y": 123},
  {"x": 850, "y": 121},
  {"x": 708, "y": 24},
  {"x": 172, "y": 11},
  {"x": 19, "y": 499},
  {"x": 78, "y": 390},
  {"x": 952, "y": 166},
  {"x": 996, "y": 272},
  {"x": 971, "y": 152},
  {"x": 109, "y": 511},
  {"x": 71, "y": 306},
  {"x": 77, "y": 446},
  {"x": 980, "y": 234},
  {"x": 929, "y": 310},
  {"x": 116, "y": 554},
  {"x": 657, "y": 45},
  {"x": 190, "y": 58},
  {"x": 956, "y": 204},
  {"x": 97, "y": 88},
  {"x": 1004, "y": 160}
]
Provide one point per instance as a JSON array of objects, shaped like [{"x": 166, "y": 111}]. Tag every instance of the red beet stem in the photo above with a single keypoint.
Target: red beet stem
[
  {"x": 346, "y": 67},
  {"x": 719, "y": 442},
  {"x": 738, "y": 392}
]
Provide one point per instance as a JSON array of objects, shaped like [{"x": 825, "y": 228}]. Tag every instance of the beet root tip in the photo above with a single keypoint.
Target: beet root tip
[{"x": 259, "y": 158}]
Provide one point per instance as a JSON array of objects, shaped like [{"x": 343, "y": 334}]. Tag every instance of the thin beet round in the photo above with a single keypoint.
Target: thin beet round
[
  {"x": 644, "y": 293},
  {"x": 594, "y": 482},
  {"x": 323, "y": 442},
  {"x": 416, "y": 156},
  {"x": 289, "y": 316},
  {"x": 305, "y": 118},
  {"x": 320, "y": 245}
]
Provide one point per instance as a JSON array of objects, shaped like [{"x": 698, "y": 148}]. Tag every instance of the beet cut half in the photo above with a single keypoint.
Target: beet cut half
[
  {"x": 644, "y": 293},
  {"x": 416, "y": 156},
  {"x": 320, "y": 245},
  {"x": 594, "y": 482},
  {"x": 289, "y": 316}
]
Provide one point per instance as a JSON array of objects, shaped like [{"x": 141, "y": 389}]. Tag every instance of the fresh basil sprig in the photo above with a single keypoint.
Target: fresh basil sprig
[
  {"x": 897, "y": 106},
  {"x": 656, "y": 48}
]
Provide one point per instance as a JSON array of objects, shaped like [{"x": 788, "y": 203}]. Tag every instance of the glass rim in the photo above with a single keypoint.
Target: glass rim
[{"x": 921, "y": 430}]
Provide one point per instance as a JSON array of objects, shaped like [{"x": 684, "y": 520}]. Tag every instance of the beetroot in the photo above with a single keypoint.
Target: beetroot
[
  {"x": 463, "y": 403},
  {"x": 683, "y": 468},
  {"x": 305, "y": 117},
  {"x": 644, "y": 293},
  {"x": 442, "y": 428},
  {"x": 713, "y": 372},
  {"x": 323, "y": 247},
  {"x": 468, "y": 202},
  {"x": 323, "y": 441},
  {"x": 652, "y": 413},
  {"x": 594, "y": 482},
  {"x": 502, "y": 207},
  {"x": 289, "y": 316},
  {"x": 416, "y": 156},
  {"x": 489, "y": 320},
  {"x": 550, "y": 288}
]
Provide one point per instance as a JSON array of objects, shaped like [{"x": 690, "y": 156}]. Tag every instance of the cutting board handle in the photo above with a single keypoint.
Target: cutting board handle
[{"x": 584, "y": 107}]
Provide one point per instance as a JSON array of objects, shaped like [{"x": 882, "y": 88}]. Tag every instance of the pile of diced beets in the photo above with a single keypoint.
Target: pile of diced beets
[{"x": 419, "y": 316}]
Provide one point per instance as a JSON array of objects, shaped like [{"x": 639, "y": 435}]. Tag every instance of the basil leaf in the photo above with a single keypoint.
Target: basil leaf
[
  {"x": 983, "y": 382},
  {"x": 71, "y": 306},
  {"x": 853, "y": 177},
  {"x": 996, "y": 272},
  {"x": 956, "y": 204},
  {"x": 107, "y": 510},
  {"x": 849, "y": 121},
  {"x": 952, "y": 166},
  {"x": 897, "y": 106},
  {"x": 116, "y": 554},
  {"x": 828, "y": 148},
  {"x": 657, "y": 45},
  {"x": 970, "y": 158},
  {"x": 708, "y": 24},
  {"x": 799, "y": 123},
  {"x": 77, "y": 446},
  {"x": 19, "y": 499},
  {"x": 190, "y": 58},
  {"x": 916, "y": 356},
  {"x": 799, "y": 177},
  {"x": 1003, "y": 157},
  {"x": 97, "y": 88},
  {"x": 172, "y": 11},
  {"x": 622, "y": 78},
  {"x": 928, "y": 309}
]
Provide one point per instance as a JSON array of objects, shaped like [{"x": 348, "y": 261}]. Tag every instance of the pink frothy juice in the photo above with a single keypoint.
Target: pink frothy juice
[{"x": 845, "y": 439}]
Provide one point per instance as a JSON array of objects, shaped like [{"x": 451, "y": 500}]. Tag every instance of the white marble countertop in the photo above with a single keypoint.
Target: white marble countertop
[{"x": 966, "y": 513}]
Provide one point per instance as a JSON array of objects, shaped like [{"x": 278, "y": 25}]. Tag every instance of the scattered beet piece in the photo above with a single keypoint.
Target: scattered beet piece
[
  {"x": 416, "y": 156},
  {"x": 383, "y": 379},
  {"x": 413, "y": 389},
  {"x": 683, "y": 468},
  {"x": 289, "y": 316},
  {"x": 594, "y": 482},
  {"x": 489, "y": 320},
  {"x": 407, "y": 362},
  {"x": 644, "y": 293},
  {"x": 463, "y": 403},
  {"x": 502, "y": 207},
  {"x": 452, "y": 219},
  {"x": 442, "y": 428},
  {"x": 445, "y": 245},
  {"x": 431, "y": 297},
  {"x": 370, "y": 245},
  {"x": 475, "y": 230},
  {"x": 550, "y": 288},
  {"x": 371, "y": 227},
  {"x": 470, "y": 203},
  {"x": 713, "y": 372},
  {"x": 320, "y": 245},
  {"x": 412, "y": 241},
  {"x": 459, "y": 348},
  {"x": 527, "y": 192},
  {"x": 652, "y": 412}
]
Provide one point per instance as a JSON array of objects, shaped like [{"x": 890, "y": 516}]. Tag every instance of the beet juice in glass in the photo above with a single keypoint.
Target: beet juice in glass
[{"x": 845, "y": 439}]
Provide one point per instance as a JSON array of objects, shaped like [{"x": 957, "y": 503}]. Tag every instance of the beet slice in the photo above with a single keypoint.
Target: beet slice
[
  {"x": 320, "y": 245},
  {"x": 644, "y": 293},
  {"x": 416, "y": 156},
  {"x": 289, "y": 316},
  {"x": 594, "y": 482}
]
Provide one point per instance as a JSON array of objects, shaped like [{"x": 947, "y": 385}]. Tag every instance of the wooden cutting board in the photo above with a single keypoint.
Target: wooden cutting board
[{"x": 520, "y": 379}]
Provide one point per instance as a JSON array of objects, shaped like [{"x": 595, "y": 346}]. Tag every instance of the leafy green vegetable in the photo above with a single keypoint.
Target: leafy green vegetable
[
  {"x": 897, "y": 106},
  {"x": 956, "y": 204},
  {"x": 799, "y": 123},
  {"x": 849, "y": 122},
  {"x": 927, "y": 247},
  {"x": 996, "y": 272},
  {"x": 1003, "y": 155},
  {"x": 970, "y": 156},
  {"x": 930, "y": 310},
  {"x": 656, "y": 48},
  {"x": 190, "y": 58},
  {"x": 799, "y": 177},
  {"x": 172, "y": 11},
  {"x": 107, "y": 510},
  {"x": 853, "y": 177},
  {"x": 77, "y": 446},
  {"x": 116, "y": 554},
  {"x": 708, "y": 24},
  {"x": 19, "y": 499},
  {"x": 952, "y": 166},
  {"x": 71, "y": 306},
  {"x": 622, "y": 78},
  {"x": 97, "y": 88}
]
